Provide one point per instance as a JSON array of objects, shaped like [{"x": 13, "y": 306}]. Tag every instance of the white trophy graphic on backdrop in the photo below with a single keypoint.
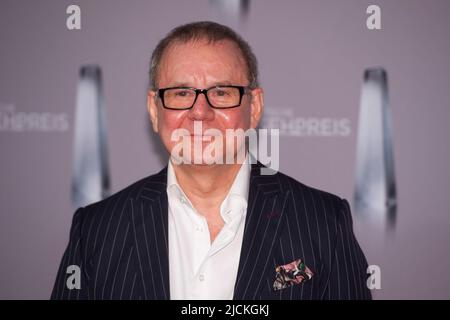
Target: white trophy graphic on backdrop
[
  {"x": 375, "y": 191},
  {"x": 90, "y": 180},
  {"x": 231, "y": 9}
]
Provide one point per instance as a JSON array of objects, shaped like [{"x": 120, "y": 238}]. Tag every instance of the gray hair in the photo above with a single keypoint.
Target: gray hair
[{"x": 211, "y": 32}]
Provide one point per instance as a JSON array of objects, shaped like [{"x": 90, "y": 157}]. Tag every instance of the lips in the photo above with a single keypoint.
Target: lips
[{"x": 202, "y": 137}]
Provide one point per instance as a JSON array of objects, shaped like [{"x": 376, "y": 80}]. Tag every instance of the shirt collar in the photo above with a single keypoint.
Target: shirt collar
[
  {"x": 235, "y": 204},
  {"x": 241, "y": 183},
  {"x": 237, "y": 195}
]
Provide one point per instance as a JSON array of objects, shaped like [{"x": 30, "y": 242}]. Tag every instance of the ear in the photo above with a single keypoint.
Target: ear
[
  {"x": 152, "y": 108},
  {"x": 257, "y": 106}
]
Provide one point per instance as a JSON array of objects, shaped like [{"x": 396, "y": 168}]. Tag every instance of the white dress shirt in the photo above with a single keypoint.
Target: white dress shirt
[{"x": 197, "y": 268}]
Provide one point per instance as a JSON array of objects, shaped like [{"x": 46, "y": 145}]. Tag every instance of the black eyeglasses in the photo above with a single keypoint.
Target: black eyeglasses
[{"x": 218, "y": 97}]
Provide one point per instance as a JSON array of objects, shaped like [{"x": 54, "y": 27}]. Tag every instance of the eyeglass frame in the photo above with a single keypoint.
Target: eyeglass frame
[{"x": 242, "y": 89}]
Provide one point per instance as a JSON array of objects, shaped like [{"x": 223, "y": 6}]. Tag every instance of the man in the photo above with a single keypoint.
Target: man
[{"x": 205, "y": 228}]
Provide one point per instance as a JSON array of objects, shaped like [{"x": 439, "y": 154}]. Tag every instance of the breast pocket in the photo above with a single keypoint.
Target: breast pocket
[{"x": 306, "y": 290}]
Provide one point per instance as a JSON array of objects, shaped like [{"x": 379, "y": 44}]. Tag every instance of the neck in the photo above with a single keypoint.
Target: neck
[{"x": 210, "y": 183}]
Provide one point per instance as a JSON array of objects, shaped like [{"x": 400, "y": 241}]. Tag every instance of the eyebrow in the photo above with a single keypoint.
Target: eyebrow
[{"x": 186, "y": 84}]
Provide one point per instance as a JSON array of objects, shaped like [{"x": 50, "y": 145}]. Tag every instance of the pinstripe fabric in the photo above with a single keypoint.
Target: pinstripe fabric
[{"x": 121, "y": 243}]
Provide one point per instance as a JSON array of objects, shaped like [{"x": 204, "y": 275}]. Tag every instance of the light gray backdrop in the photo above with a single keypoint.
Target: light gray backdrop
[{"x": 312, "y": 55}]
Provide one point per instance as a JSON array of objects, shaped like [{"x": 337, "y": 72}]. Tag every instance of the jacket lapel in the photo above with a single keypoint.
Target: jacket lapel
[
  {"x": 263, "y": 224},
  {"x": 150, "y": 225}
]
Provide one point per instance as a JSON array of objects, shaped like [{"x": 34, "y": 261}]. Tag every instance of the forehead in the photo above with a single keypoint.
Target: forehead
[{"x": 204, "y": 62}]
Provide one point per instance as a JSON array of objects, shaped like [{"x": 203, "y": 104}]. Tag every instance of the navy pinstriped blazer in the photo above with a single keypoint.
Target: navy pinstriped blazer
[{"x": 120, "y": 243}]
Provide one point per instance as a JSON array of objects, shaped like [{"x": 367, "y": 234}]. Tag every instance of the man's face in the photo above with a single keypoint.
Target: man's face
[{"x": 203, "y": 65}]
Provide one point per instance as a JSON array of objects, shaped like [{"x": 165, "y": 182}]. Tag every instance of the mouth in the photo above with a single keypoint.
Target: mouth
[{"x": 202, "y": 137}]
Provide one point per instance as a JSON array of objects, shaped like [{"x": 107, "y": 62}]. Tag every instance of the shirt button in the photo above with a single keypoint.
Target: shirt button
[{"x": 201, "y": 277}]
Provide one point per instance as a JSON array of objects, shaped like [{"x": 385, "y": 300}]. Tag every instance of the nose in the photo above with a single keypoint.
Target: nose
[{"x": 201, "y": 109}]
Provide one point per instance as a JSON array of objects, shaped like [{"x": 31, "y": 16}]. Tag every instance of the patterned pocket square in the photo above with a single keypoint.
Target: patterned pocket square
[{"x": 292, "y": 273}]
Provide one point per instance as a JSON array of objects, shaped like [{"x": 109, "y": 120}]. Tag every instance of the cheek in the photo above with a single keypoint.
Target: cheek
[
  {"x": 168, "y": 122},
  {"x": 235, "y": 118}
]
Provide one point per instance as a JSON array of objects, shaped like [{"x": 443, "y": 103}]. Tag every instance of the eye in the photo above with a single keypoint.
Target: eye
[
  {"x": 221, "y": 92},
  {"x": 182, "y": 93}
]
